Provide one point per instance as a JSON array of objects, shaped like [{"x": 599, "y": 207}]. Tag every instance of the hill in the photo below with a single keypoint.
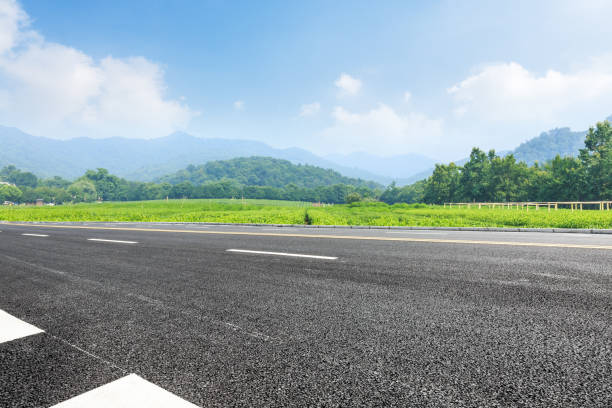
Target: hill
[
  {"x": 547, "y": 145},
  {"x": 263, "y": 171}
]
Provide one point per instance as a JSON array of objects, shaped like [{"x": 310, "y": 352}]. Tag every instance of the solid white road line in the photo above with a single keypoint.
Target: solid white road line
[
  {"x": 12, "y": 328},
  {"x": 111, "y": 240},
  {"x": 35, "y": 235},
  {"x": 129, "y": 391},
  {"x": 246, "y": 251}
]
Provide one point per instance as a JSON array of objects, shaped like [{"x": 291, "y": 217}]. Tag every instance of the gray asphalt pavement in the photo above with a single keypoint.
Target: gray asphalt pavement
[{"x": 376, "y": 318}]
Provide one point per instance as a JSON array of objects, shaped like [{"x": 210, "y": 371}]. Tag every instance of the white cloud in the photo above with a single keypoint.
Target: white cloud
[
  {"x": 383, "y": 130},
  {"x": 310, "y": 109},
  {"x": 348, "y": 85},
  {"x": 509, "y": 92},
  {"x": 407, "y": 96},
  {"x": 502, "y": 105},
  {"x": 239, "y": 105},
  {"x": 12, "y": 18},
  {"x": 55, "y": 90}
]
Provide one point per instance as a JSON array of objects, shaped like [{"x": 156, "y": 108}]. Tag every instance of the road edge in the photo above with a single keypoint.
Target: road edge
[{"x": 374, "y": 227}]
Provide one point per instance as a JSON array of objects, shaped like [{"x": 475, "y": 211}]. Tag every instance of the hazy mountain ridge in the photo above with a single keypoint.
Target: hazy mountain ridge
[
  {"x": 143, "y": 159},
  {"x": 560, "y": 141},
  {"x": 396, "y": 167}
]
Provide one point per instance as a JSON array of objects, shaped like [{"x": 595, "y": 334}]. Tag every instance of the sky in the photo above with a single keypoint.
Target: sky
[{"x": 387, "y": 78}]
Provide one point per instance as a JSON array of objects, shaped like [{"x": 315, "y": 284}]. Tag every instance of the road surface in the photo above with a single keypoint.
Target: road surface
[{"x": 184, "y": 315}]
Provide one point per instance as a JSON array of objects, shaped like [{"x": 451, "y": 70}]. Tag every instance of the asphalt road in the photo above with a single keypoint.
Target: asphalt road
[{"x": 376, "y": 318}]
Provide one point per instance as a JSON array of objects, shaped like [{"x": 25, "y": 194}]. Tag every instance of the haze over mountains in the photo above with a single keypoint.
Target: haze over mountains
[
  {"x": 138, "y": 159},
  {"x": 147, "y": 160}
]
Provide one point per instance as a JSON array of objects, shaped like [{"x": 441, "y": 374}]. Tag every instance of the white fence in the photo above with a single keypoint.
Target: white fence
[{"x": 549, "y": 205}]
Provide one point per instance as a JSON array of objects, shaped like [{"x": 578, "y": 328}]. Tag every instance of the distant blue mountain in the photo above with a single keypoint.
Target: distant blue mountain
[
  {"x": 144, "y": 160},
  {"x": 398, "y": 168}
]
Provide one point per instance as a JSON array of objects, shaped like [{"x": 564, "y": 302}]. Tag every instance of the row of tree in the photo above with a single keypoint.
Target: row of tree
[{"x": 101, "y": 185}]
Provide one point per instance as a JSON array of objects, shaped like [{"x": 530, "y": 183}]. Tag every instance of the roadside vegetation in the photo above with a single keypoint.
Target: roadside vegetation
[{"x": 286, "y": 212}]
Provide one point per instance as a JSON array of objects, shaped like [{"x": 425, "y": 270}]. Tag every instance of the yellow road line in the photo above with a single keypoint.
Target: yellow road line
[{"x": 354, "y": 237}]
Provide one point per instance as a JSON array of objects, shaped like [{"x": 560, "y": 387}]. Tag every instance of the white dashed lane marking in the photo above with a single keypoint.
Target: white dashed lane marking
[
  {"x": 246, "y": 251},
  {"x": 111, "y": 240},
  {"x": 35, "y": 235},
  {"x": 128, "y": 391},
  {"x": 12, "y": 328}
]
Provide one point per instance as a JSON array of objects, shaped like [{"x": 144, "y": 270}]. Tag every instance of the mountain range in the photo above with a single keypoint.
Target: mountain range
[
  {"x": 147, "y": 160},
  {"x": 143, "y": 160}
]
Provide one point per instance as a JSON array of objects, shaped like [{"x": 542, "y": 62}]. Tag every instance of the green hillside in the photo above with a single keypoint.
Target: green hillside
[
  {"x": 263, "y": 171},
  {"x": 561, "y": 141}
]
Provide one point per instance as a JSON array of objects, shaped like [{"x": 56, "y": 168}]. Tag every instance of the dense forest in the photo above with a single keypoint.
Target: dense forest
[
  {"x": 485, "y": 177},
  {"x": 263, "y": 171}
]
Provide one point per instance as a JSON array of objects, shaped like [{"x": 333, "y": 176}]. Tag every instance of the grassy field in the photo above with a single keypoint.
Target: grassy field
[{"x": 287, "y": 212}]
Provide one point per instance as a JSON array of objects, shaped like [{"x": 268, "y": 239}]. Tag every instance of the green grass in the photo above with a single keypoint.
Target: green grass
[
  {"x": 223, "y": 210},
  {"x": 287, "y": 212},
  {"x": 437, "y": 216}
]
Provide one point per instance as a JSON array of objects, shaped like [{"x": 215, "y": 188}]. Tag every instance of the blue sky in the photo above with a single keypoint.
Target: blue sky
[{"x": 386, "y": 77}]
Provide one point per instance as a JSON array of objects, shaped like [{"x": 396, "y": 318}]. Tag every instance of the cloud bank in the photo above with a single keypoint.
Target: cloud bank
[
  {"x": 509, "y": 92},
  {"x": 55, "y": 90},
  {"x": 382, "y": 130}
]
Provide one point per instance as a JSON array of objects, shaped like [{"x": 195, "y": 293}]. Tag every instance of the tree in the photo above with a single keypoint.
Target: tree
[
  {"x": 443, "y": 185},
  {"x": 475, "y": 177},
  {"x": 564, "y": 179},
  {"x": 353, "y": 197},
  {"x": 182, "y": 190},
  {"x": 9, "y": 193},
  {"x": 107, "y": 185},
  {"x": 82, "y": 190},
  {"x": 20, "y": 178},
  {"x": 596, "y": 157}
]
